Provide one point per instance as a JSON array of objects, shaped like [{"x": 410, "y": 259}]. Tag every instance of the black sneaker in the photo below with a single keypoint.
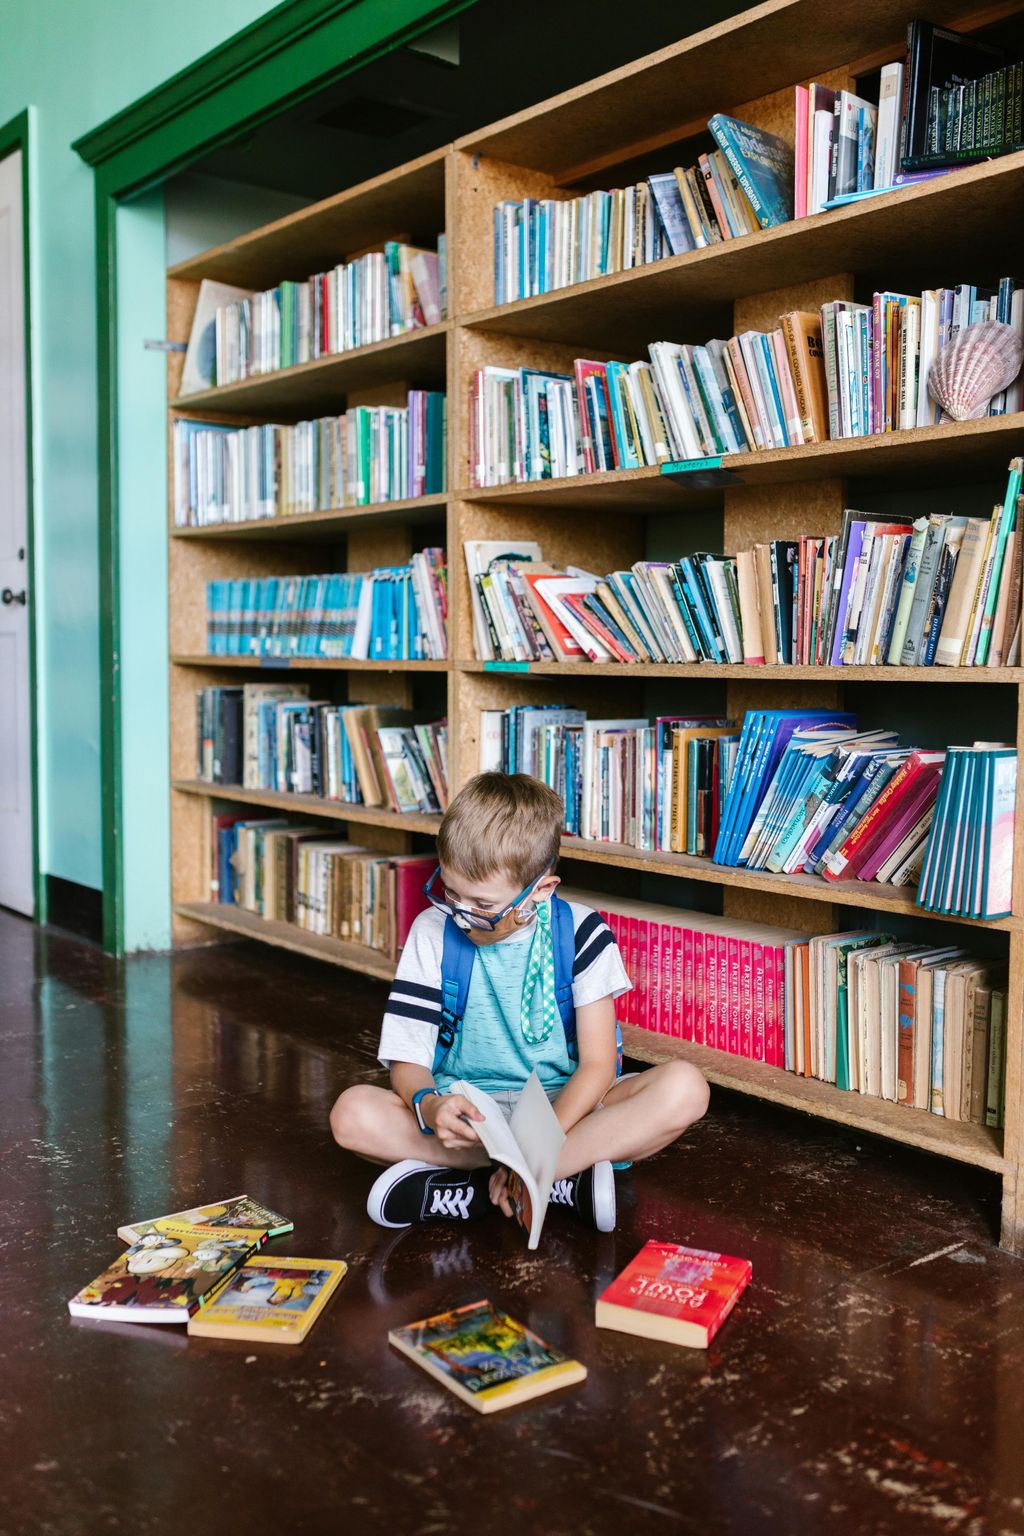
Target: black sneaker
[
  {"x": 590, "y": 1194},
  {"x": 412, "y": 1191}
]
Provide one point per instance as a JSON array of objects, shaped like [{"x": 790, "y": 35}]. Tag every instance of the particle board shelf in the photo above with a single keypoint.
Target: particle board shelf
[
  {"x": 669, "y": 95},
  {"x": 866, "y": 894},
  {"x": 317, "y": 527},
  {"x": 919, "y": 235},
  {"x": 311, "y": 805},
  {"x": 729, "y": 672},
  {"x": 306, "y": 664},
  {"x": 247, "y": 925},
  {"x": 956, "y": 451},
  {"x": 417, "y": 358},
  {"x": 966, "y": 1142},
  {"x": 409, "y": 199}
]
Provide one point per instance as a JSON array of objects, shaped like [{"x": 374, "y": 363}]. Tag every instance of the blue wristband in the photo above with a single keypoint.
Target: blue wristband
[{"x": 417, "y": 1097}]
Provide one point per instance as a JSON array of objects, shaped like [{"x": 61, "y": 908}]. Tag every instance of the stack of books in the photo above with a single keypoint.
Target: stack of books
[
  {"x": 321, "y": 883},
  {"x": 396, "y": 613},
  {"x": 847, "y": 370},
  {"x": 228, "y": 474},
  {"x": 273, "y": 736},
  {"x": 382, "y": 294},
  {"x": 799, "y": 791},
  {"x": 885, "y": 591}
]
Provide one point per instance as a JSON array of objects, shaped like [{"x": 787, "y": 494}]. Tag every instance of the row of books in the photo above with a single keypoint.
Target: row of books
[
  {"x": 226, "y": 474},
  {"x": 382, "y": 294},
  {"x": 939, "y": 590},
  {"x": 320, "y": 883},
  {"x": 848, "y": 370},
  {"x": 395, "y": 613},
  {"x": 541, "y": 244},
  {"x": 968, "y": 868},
  {"x": 844, "y": 143},
  {"x": 918, "y": 1025},
  {"x": 962, "y": 99},
  {"x": 274, "y": 737},
  {"x": 789, "y": 791}
]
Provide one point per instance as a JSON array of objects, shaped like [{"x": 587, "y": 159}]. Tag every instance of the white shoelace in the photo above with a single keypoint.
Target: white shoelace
[
  {"x": 561, "y": 1191},
  {"x": 452, "y": 1202}
]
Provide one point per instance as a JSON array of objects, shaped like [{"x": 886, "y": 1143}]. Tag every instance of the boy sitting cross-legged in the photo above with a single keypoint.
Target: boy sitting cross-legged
[{"x": 495, "y": 888}]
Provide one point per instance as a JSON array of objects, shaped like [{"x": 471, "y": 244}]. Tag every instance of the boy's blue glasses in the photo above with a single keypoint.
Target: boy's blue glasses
[{"x": 465, "y": 916}]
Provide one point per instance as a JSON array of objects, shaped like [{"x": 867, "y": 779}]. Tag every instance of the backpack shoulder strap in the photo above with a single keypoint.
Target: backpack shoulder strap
[
  {"x": 457, "y": 956},
  {"x": 563, "y": 941},
  {"x": 563, "y": 935}
]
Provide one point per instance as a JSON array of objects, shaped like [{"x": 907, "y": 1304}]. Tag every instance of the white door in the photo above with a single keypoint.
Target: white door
[{"x": 16, "y": 885}]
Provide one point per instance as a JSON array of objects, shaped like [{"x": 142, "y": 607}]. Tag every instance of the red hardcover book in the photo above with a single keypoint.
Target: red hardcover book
[
  {"x": 675, "y": 984},
  {"x": 746, "y": 1000},
  {"x": 680, "y": 1295},
  {"x": 757, "y": 1001},
  {"x": 734, "y": 1028},
  {"x": 411, "y": 875},
  {"x": 633, "y": 966},
  {"x": 650, "y": 960},
  {"x": 710, "y": 999},
  {"x": 724, "y": 1011},
  {"x": 583, "y": 370},
  {"x": 778, "y": 1057},
  {"x": 692, "y": 959},
  {"x": 643, "y": 954}
]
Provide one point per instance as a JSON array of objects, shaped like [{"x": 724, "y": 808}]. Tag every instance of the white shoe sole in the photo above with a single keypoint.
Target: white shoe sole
[
  {"x": 604, "y": 1197},
  {"x": 385, "y": 1183}
]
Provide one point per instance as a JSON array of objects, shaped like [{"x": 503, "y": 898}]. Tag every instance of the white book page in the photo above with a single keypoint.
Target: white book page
[{"x": 528, "y": 1144}]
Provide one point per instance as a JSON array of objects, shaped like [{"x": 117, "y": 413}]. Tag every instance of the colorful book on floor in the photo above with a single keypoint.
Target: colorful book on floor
[
  {"x": 168, "y": 1273},
  {"x": 527, "y": 1145},
  {"x": 271, "y": 1300},
  {"x": 237, "y": 1211},
  {"x": 486, "y": 1357},
  {"x": 679, "y": 1295}
]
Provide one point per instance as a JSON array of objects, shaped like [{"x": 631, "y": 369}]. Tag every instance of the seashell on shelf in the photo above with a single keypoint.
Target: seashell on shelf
[{"x": 980, "y": 361}]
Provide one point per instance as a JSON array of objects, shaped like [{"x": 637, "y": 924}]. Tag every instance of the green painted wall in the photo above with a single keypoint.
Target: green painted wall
[{"x": 76, "y": 65}]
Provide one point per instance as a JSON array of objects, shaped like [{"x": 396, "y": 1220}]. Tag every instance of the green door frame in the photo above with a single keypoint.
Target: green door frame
[
  {"x": 276, "y": 62},
  {"x": 17, "y": 134}
]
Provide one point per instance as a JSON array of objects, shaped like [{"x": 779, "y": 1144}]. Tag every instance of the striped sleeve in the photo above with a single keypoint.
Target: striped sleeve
[
  {"x": 598, "y": 970},
  {"x": 413, "y": 1012}
]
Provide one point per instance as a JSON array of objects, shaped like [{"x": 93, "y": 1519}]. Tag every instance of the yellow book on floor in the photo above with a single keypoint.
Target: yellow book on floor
[
  {"x": 486, "y": 1357},
  {"x": 271, "y": 1300}
]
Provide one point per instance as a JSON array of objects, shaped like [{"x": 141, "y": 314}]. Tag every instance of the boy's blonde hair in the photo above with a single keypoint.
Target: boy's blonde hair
[{"x": 499, "y": 822}]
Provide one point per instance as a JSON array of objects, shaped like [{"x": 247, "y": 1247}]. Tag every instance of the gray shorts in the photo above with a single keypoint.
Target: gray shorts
[{"x": 507, "y": 1098}]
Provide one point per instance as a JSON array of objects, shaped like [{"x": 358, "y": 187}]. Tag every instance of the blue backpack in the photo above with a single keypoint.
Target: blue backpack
[{"x": 457, "y": 957}]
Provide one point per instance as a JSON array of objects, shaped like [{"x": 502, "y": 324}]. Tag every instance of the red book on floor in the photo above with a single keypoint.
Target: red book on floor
[{"x": 680, "y": 1295}]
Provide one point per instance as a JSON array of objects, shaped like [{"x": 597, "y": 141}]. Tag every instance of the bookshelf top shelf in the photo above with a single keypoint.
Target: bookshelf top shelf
[
  {"x": 322, "y": 527},
  {"x": 404, "y": 203},
  {"x": 641, "y": 671},
  {"x": 915, "y": 237},
  {"x": 657, "y": 99}
]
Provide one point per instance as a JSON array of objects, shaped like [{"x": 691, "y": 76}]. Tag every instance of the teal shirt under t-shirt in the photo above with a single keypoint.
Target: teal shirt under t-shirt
[{"x": 491, "y": 1050}]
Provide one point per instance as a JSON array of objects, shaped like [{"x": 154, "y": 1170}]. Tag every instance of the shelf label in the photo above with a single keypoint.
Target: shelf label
[
  {"x": 275, "y": 661},
  {"x": 506, "y": 666},
  {"x": 701, "y": 473}
]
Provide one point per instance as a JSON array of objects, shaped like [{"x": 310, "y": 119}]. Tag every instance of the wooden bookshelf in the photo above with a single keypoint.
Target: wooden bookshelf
[{"x": 606, "y": 133}]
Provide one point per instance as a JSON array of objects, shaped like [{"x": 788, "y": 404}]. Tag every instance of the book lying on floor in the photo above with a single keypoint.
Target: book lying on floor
[
  {"x": 238, "y": 1211},
  {"x": 680, "y": 1295},
  {"x": 168, "y": 1273},
  {"x": 486, "y": 1357},
  {"x": 271, "y": 1300},
  {"x": 527, "y": 1145}
]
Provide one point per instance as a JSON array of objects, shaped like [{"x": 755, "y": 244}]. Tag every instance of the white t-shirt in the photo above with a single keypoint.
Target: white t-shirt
[{"x": 409, "y": 1030}]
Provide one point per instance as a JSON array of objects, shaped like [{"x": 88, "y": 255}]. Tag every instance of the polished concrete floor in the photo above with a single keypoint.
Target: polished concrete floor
[{"x": 871, "y": 1380}]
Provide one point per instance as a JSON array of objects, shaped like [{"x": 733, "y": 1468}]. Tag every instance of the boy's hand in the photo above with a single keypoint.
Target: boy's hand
[
  {"x": 447, "y": 1115},
  {"x": 498, "y": 1190}
]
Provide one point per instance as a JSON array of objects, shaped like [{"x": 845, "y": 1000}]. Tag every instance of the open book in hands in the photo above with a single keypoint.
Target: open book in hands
[{"x": 527, "y": 1145}]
